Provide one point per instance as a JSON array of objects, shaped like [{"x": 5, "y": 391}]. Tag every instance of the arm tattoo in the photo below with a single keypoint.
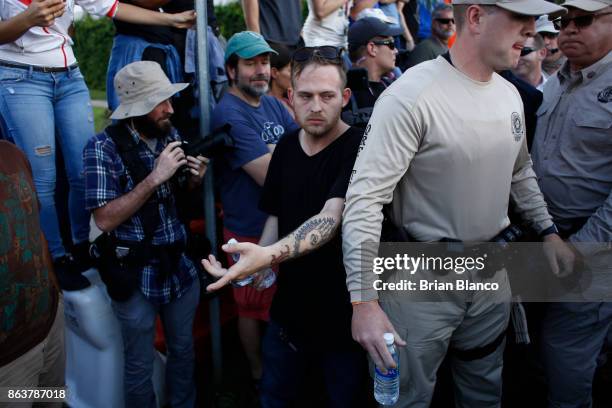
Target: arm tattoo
[
  {"x": 280, "y": 258},
  {"x": 321, "y": 229}
]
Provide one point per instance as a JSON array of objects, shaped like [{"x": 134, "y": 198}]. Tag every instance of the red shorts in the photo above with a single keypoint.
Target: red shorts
[{"x": 250, "y": 302}]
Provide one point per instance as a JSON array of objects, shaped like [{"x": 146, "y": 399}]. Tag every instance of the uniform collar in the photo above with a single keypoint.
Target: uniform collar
[{"x": 586, "y": 74}]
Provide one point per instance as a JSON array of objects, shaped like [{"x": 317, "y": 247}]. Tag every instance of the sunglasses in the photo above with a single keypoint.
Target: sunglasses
[
  {"x": 326, "y": 52},
  {"x": 544, "y": 34},
  {"x": 580, "y": 21},
  {"x": 527, "y": 51},
  {"x": 388, "y": 43},
  {"x": 445, "y": 20}
]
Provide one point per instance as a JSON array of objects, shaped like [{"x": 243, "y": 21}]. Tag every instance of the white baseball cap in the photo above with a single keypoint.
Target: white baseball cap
[{"x": 544, "y": 25}]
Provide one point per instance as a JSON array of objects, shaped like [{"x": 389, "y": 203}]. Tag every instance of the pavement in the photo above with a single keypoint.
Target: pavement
[{"x": 97, "y": 103}]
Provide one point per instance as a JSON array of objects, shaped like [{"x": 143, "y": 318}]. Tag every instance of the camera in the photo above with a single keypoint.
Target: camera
[{"x": 214, "y": 144}]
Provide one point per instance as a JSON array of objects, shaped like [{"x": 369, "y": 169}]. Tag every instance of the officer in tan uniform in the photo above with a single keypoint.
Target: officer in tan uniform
[
  {"x": 572, "y": 156},
  {"x": 446, "y": 148}
]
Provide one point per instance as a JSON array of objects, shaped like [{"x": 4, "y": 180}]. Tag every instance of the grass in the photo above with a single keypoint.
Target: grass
[
  {"x": 97, "y": 94},
  {"x": 100, "y": 118}
]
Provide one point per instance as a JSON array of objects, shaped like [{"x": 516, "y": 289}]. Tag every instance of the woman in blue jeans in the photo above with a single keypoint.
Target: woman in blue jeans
[{"x": 44, "y": 99}]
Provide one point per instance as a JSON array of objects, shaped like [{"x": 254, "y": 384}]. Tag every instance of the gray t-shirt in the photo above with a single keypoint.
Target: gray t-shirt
[{"x": 280, "y": 21}]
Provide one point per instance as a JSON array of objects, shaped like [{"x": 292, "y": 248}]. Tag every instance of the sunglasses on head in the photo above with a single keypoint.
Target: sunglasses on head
[
  {"x": 326, "y": 52},
  {"x": 388, "y": 43},
  {"x": 445, "y": 20},
  {"x": 580, "y": 21}
]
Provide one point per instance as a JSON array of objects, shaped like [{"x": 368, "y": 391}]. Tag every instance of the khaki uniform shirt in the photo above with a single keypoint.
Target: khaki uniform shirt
[{"x": 448, "y": 152}]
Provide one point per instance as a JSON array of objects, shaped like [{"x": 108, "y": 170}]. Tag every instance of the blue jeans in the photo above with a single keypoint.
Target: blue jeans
[
  {"x": 36, "y": 109},
  {"x": 285, "y": 365},
  {"x": 137, "y": 317}
]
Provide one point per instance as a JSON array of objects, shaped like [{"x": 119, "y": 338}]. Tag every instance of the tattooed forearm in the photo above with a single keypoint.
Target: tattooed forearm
[
  {"x": 284, "y": 254},
  {"x": 321, "y": 229}
]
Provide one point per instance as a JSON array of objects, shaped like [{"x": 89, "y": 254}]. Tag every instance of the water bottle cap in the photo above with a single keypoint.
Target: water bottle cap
[{"x": 389, "y": 338}]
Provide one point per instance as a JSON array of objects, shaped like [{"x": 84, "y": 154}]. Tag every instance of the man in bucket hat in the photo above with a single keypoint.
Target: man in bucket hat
[
  {"x": 446, "y": 147},
  {"x": 129, "y": 171}
]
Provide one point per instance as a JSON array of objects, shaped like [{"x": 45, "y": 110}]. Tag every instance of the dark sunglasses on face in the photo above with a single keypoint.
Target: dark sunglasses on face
[
  {"x": 388, "y": 43},
  {"x": 527, "y": 51},
  {"x": 579, "y": 21},
  {"x": 326, "y": 52},
  {"x": 445, "y": 20},
  {"x": 549, "y": 35}
]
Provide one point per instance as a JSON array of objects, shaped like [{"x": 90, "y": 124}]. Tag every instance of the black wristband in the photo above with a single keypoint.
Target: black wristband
[{"x": 550, "y": 230}]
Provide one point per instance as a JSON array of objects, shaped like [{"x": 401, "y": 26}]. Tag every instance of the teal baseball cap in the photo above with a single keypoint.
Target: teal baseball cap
[{"x": 247, "y": 44}]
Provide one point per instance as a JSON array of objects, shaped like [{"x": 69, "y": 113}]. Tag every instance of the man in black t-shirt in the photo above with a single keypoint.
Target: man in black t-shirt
[{"x": 304, "y": 195}]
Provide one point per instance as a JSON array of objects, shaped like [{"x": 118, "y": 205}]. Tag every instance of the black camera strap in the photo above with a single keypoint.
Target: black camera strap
[
  {"x": 168, "y": 255},
  {"x": 127, "y": 149}
]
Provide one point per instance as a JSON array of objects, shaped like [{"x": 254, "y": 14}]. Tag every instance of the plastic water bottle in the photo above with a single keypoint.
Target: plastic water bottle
[
  {"x": 239, "y": 283},
  {"x": 269, "y": 277},
  {"x": 386, "y": 386}
]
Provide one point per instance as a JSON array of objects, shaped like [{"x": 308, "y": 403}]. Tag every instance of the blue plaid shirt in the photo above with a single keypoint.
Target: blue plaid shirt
[{"x": 104, "y": 171}]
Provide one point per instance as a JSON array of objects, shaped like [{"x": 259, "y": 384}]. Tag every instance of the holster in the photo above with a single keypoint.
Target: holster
[{"x": 120, "y": 264}]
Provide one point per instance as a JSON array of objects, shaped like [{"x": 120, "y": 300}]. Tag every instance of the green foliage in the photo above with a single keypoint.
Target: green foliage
[
  {"x": 101, "y": 118},
  {"x": 230, "y": 19},
  {"x": 93, "y": 41}
]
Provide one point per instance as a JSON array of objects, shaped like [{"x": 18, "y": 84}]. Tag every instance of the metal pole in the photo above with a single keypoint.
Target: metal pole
[{"x": 209, "y": 199}]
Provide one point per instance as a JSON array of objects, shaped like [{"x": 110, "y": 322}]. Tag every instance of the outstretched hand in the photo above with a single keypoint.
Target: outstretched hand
[{"x": 253, "y": 258}]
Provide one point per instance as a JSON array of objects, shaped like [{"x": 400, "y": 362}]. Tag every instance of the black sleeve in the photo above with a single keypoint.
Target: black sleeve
[
  {"x": 271, "y": 190},
  {"x": 348, "y": 154}
]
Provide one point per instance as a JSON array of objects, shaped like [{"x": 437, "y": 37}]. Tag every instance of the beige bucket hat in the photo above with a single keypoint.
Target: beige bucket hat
[
  {"x": 524, "y": 7},
  {"x": 141, "y": 86}
]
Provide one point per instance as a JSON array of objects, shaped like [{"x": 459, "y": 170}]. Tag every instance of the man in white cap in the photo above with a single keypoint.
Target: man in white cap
[
  {"x": 446, "y": 147},
  {"x": 572, "y": 158},
  {"x": 129, "y": 170},
  {"x": 554, "y": 57}
]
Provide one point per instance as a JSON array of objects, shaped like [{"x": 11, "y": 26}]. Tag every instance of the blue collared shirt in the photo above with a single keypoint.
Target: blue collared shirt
[
  {"x": 572, "y": 150},
  {"x": 106, "y": 179}
]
